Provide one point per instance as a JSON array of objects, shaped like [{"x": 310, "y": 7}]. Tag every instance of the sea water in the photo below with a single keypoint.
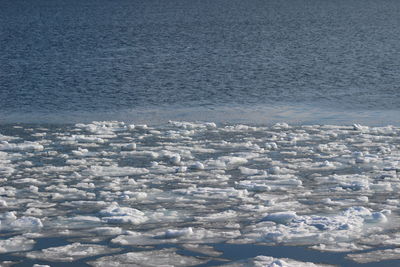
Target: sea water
[
  {"x": 290, "y": 154},
  {"x": 64, "y": 61}
]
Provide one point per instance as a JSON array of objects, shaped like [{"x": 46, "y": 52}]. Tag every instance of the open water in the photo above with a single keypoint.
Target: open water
[{"x": 230, "y": 60}]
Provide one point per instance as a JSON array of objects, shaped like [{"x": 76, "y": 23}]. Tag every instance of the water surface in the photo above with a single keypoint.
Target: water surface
[{"x": 118, "y": 58}]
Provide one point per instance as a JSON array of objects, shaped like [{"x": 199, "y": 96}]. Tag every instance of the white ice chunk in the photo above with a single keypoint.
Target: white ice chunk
[
  {"x": 281, "y": 217},
  {"x": 16, "y": 243},
  {"x": 254, "y": 185},
  {"x": 171, "y": 233},
  {"x": 10, "y": 222},
  {"x": 248, "y": 171},
  {"x": 156, "y": 258},
  {"x": 83, "y": 139},
  {"x": 376, "y": 255},
  {"x": 3, "y": 203},
  {"x": 121, "y": 215},
  {"x": 70, "y": 252},
  {"x": 271, "y": 146},
  {"x": 115, "y": 171},
  {"x": 188, "y": 235},
  {"x": 267, "y": 261},
  {"x": 129, "y": 147},
  {"x": 197, "y": 166},
  {"x": 229, "y": 161},
  {"x": 6, "y": 171},
  {"x": 25, "y": 146},
  {"x": 101, "y": 231}
]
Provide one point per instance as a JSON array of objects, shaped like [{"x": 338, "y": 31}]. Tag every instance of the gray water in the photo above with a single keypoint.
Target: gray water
[{"x": 65, "y": 61}]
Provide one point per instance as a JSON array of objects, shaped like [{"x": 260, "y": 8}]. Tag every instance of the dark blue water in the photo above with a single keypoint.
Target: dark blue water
[{"x": 115, "y": 58}]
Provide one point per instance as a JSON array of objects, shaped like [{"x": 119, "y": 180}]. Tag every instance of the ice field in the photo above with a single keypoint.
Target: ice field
[{"x": 177, "y": 194}]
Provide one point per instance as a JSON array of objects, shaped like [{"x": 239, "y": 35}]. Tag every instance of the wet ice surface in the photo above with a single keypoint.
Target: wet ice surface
[{"x": 124, "y": 193}]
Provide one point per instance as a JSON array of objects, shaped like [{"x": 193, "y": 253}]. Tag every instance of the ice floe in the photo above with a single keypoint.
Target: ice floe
[
  {"x": 70, "y": 252},
  {"x": 376, "y": 255},
  {"x": 265, "y": 261},
  {"x": 331, "y": 188},
  {"x": 16, "y": 244},
  {"x": 163, "y": 257}
]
